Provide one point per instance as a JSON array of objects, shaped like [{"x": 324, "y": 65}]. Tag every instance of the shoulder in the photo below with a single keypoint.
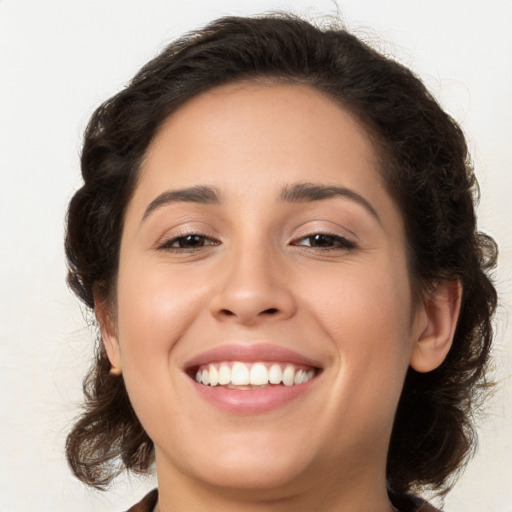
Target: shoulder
[
  {"x": 411, "y": 503},
  {"x": 147, "y": 504}
]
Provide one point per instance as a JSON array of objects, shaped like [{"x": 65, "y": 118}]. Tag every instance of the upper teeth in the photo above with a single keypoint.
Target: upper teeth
[{"x": 255, "y": 374}]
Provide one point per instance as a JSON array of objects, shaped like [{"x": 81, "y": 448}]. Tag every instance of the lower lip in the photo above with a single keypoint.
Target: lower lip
[{"x": 251, "y": 401}]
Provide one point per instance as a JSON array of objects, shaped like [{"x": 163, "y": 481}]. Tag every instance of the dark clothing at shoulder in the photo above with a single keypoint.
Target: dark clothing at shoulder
[
  {"x": 147, "y": 504},
  {"x": 404, "y": 503},
  {"x": 409, "y": 502}
]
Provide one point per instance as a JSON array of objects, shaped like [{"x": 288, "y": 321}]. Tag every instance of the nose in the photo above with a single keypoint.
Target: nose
[{"x": 252, "y": 287}]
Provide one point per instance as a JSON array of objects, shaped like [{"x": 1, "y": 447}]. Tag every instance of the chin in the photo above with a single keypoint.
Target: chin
[
  {"x": 255, "y": 473},
  {"x": 250, "y": 461}
]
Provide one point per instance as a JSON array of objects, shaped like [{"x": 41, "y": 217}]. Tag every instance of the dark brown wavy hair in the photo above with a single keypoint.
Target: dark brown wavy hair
[{"x": 428, "y": 172}]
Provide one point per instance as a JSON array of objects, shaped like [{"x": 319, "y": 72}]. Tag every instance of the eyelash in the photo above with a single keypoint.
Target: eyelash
[
  {"x": 338, "y": 243},
  {"x": 205, "y": 239}
]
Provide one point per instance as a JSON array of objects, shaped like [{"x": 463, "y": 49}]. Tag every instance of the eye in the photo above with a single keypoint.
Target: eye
[
  {"x": 325, "y": 241},
  {"x": 188, "y": 242}
]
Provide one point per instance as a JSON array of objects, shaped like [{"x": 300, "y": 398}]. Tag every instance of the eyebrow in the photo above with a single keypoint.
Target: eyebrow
[
  {"x": 297, "y": 193},
  {"x": 201, "y": 194},
  {"x": 307, "y": 192}
]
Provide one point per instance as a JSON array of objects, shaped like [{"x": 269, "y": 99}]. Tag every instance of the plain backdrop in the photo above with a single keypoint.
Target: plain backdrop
[{"x": 58, "y": 61}]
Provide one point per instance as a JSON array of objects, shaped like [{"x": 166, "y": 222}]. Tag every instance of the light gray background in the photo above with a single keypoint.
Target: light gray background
[{"x": 60, "y": 59}]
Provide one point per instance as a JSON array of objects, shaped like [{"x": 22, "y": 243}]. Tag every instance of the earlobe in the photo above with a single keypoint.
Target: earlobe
[
  {"x": 441, "y": 310},
  {"x": 108, "y": 329}
]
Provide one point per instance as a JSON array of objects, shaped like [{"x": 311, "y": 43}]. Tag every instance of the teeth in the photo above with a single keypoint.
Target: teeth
[
  {"x": 259, "y": 375},
  {"x": 239, "y": 374},
  {"x": 289, "y": 375},
  {"x": 214, "y": 376},
  {"x": 299, "y": 376},
  {"x": 275, "y": 374},
  {"x": 224, "y": 374},
  {"x": 255, "y": 374}
]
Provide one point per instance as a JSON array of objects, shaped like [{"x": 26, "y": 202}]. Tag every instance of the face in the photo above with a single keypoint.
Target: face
[{"x": 264, "y": 322}]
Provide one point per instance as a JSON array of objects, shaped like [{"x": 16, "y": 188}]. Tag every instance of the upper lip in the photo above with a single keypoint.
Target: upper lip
[{"x": 263, "y": 352}]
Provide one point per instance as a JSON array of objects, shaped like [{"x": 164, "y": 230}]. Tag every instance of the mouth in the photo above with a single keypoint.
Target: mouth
[{"x": 251, "y": 378}]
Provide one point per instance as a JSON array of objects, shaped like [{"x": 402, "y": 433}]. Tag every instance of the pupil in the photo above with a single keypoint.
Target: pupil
[
  {"x": 322, "y": 240},
  {"x": 191, "y": 241}
]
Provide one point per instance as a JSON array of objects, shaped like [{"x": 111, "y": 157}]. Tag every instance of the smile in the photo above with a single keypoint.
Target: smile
[
  {"x": 258, "y": 375},
  {"x": 252, "y": 378}
]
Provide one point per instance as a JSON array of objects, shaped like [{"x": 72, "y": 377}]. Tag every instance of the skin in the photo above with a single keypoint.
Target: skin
[{"x": 258, "y": 276}]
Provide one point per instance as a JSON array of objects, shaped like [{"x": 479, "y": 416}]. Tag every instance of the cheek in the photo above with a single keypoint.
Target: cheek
[
  {"x": 366, "y": 315},
  {"x": 361, "y": 297},
  {"x": 155, "y": 311},
  {"x": 155, "y": 307}
]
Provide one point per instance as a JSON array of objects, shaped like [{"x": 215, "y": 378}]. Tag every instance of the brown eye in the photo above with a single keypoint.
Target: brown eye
[
  {"x": 321, "y": 241},
  {"x": 188, "y": 242},
  {"x": 325, "y": 241}
]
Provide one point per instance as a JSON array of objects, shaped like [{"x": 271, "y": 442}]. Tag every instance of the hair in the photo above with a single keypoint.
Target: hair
[{"x": 427, "y": 170}]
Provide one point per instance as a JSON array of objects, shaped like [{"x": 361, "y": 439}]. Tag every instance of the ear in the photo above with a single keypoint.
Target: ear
[
  {"x": 108, "y": 328},
  {"x": 440, "y": 315}
]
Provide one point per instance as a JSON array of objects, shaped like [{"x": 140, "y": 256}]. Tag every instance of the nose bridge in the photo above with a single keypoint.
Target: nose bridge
[{"x": 253, "y": 287}]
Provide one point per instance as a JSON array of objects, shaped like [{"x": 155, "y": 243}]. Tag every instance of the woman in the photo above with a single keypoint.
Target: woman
[{"x": 277, "y": 235}]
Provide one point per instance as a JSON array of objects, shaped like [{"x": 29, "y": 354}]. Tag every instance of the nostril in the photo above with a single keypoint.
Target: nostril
[{"x": 247, "y": 315}]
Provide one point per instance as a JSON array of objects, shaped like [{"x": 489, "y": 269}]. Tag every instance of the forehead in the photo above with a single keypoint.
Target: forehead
[{"x": 286, "y": 130}]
